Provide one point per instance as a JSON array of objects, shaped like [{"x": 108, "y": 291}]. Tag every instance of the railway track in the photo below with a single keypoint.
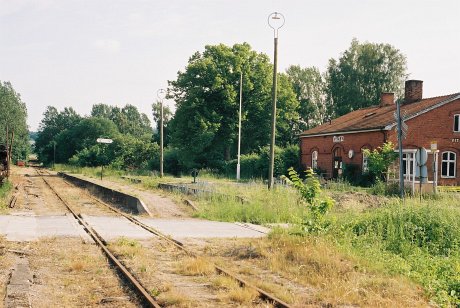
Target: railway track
[{"x": 130, "y": 277}]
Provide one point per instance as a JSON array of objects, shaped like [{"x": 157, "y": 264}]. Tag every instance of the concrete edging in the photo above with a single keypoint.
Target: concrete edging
[{"x": 123, "y": 201}]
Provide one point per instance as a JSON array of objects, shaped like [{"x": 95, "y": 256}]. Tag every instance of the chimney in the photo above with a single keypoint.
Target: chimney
[
  {"x": 413, "y": 91},
  {"x": 387, "y": 99}
]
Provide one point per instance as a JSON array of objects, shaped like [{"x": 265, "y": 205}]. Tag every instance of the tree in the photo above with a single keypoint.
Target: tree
[
  {"x": 309, "y": 86},
  {"x": 13, "y": 118},
  {"x": 52, "y": 124},
  {"x": 128, "y": 119},
  {"x": 205, "y": 125},
  {"x": 362, "y": 73}
]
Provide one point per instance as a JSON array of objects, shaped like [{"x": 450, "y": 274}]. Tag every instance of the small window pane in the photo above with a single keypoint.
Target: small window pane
[
  {"x": 456, "y": 124},
  {"x": 445, "y": 155},
  {"x": 444, "y": 169},
  {"x": 452, "y": 156},
  {"x": 451, "y": 169}
]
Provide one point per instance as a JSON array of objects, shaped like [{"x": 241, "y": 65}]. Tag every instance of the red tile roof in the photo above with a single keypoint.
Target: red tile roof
[{"x": 376, "y": 117}]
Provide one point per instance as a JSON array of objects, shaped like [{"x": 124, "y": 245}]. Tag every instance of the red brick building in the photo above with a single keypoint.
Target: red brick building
[{"x": 430, "y": 120}]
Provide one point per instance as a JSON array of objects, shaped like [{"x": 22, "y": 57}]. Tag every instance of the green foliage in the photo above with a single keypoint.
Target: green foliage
[
  {"x": 310, "y": 191},
  {"x": 273, "y": 206},
  {"x": 5, "y": 189},
  {"x": 13, "y": 114},
  {"x": 419, "y": 241},
  {"x": 74, "y": 138},
  {"x": 380, "y": 159},
  {"x": 309, "y": 86},
  {"x": 128, "y": 119},
  {"x": 362, "y": 73},
  {"x": 255, "y": 165},
  {"x": 205, "y": 126}
]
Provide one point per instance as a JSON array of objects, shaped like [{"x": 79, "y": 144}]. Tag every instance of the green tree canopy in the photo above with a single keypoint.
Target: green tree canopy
[
  {"x": 128, "y": 119},
  {"x": 205, "y": 125},
  {"x": 52, "y": 124},
  {"x": 362, "y": 73},
  {"x": 13, "y": 115},
  {"x": 309, "y": 86}
]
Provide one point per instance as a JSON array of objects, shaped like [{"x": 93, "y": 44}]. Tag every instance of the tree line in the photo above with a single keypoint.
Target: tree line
[
  {"x": 202, "y": 132},
  {"x": 13, "y": 122}
]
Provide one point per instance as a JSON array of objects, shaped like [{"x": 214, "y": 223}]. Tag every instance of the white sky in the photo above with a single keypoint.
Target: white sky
[{"x": 78, "y": 53}]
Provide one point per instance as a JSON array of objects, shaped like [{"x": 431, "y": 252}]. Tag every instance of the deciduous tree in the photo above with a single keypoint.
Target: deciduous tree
[{"x": 362, "y": 73}]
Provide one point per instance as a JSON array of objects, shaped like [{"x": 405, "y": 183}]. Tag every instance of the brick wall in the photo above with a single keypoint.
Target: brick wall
[{"x": 325, "y": 145}]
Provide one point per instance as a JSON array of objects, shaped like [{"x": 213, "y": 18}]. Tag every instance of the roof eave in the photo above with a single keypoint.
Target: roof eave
[{"x": 354, "y": 131}]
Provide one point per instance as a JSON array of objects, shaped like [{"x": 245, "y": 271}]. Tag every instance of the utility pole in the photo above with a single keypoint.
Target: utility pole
[
  {"x": 238, "y": 166},
  {"x": 275, "y": 21},
  {"x": 400, "y": 133}
]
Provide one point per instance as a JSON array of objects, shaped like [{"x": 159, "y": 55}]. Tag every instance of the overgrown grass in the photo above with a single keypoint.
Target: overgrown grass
[
  {"x": 258, "y": 205},
  {"x": 5, "y": 189},
  {"x": 420, "y": 241}
]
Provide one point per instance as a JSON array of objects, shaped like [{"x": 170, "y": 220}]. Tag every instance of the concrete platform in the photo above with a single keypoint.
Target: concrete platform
[{"x": 29, "y": 228}]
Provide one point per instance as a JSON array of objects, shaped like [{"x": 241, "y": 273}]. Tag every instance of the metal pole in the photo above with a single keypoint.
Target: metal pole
[
  {"x": 239, "y": 128},
  {"x": 272, "y": 143},
  {"x": 401, "y": 173},
  {"x": 161, "y": 138},
  {"x": 54, "y": 153}
]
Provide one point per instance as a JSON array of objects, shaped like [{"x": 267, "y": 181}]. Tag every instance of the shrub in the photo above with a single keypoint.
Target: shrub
[{"x": 310, "y": 191}]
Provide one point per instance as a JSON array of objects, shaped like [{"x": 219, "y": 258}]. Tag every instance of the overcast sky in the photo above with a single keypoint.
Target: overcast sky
[{"x": 78, "y": 53}]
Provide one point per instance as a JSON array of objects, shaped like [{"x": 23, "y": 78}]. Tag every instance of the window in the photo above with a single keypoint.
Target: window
[
  {"x": 408, "y": 165},
  {"x": 448, "y": 164},
  {"x": 365, "y": 163},
  {"x": 314, "y": 160},
  {"x": 457, "y": 123}
]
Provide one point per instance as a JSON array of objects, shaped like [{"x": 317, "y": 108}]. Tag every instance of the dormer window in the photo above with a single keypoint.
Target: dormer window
[{"x": 457, "y": 123}]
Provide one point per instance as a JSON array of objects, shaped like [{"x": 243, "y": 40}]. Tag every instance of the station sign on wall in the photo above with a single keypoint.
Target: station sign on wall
[{"x": 338, "y": 138}]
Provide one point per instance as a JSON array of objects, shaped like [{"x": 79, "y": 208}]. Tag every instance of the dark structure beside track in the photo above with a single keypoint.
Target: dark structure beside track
[{"x": 120, "y": 200}]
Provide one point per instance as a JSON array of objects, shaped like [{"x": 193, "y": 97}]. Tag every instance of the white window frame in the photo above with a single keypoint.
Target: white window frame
[
  {"x": 409, "y": 159},
  {"x": 449, "y": 161},
  {"x": 314, "y": 160},
  {"x": 457, "y": 118},
  {"x": 365, "y": 163}
]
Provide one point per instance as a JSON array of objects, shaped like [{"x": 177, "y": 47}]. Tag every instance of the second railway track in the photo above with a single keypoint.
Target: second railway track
[{"x": 144, "y": 294}]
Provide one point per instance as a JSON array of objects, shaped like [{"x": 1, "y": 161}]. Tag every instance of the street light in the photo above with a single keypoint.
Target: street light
[
  {"x": 239, "y": 128},
  {"x": 161, "y": 95},
  {"x": 275, "y": 21}
]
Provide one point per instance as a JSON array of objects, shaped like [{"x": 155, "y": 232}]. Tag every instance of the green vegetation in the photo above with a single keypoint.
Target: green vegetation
[
  {"x": 5, "y": 189},
  {"x": 420, "y": 241},
  {"x": 13, "y": 118},
  {"x": 362, "y": 73}
]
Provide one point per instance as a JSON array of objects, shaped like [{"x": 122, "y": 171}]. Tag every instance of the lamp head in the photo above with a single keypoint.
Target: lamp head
[
  {"x": 161, "y": 94},
  {"x": 276, "y": 20}
]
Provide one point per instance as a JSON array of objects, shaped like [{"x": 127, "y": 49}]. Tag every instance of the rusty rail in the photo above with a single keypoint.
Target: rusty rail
[{"x": 138, "y": 288}]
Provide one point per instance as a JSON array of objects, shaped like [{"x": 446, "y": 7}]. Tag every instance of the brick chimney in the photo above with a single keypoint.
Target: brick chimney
[
  {"x": 387, "y": 99},
  {"x": 413, "y": 91}
]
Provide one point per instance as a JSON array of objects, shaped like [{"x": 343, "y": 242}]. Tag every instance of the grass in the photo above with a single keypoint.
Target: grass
[
  {"x": 127, "y": 248},
  {"x": 418, "y": 240},
  {"x": 5, "y": 189},
  {"x": 198, "y": 266},
  {"x": 280, "y": 205}
]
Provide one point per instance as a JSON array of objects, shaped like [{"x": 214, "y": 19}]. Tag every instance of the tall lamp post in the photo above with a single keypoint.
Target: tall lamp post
[
  {"x": 275, "y": 21},
  {"x": 161, "y": 95},
  {"x": 239, "y": 128}
]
